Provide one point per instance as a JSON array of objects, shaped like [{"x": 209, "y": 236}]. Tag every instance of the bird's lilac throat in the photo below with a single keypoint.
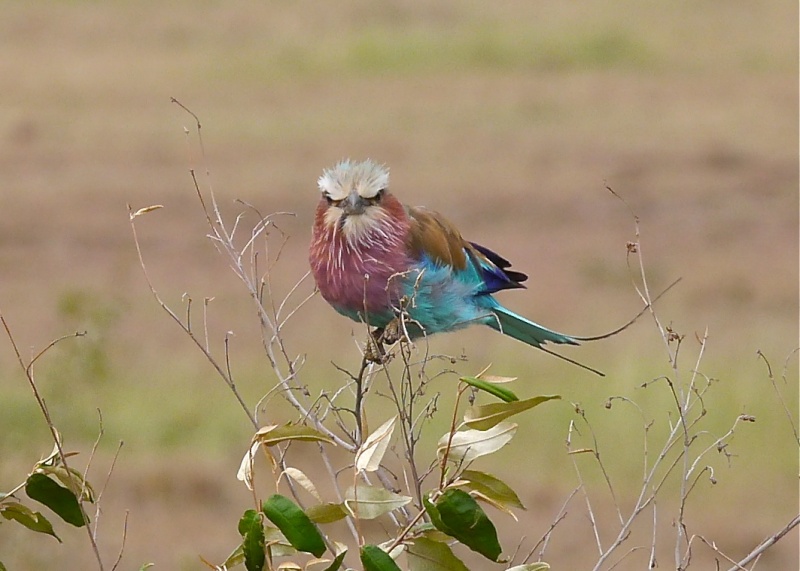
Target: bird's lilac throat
[{"x": 356, "y": 268}]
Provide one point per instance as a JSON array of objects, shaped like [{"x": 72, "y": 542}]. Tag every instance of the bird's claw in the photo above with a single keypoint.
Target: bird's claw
[
  {"x": 392, "y": 333},
  {"x": 375, "y": 352}
]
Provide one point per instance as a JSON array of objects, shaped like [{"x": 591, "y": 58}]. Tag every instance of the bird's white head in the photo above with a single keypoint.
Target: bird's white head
[
  {"x": 354, "y": 192},
  {"x": 365, "y": 179}
]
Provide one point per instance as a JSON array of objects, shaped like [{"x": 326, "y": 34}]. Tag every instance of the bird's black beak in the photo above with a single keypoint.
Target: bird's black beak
[{"x": 353, "y": 204}]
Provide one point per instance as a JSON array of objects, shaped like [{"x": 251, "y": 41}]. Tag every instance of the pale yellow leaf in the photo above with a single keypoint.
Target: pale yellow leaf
[
  {"x": 266, "y": 429},
  {"x": 497, "y": 380},
  {"x": 245, "y": 473},
  {"x": 326, "y": 513},
  {"x": 146, "y": 209},
  {"x": 369, "y": 502},
  {"x": 315, "y": 562},
  {"x": 425, "y": 554},
  {"x": 370, "y": 454},
  {"x": 299, "y": 477},
  {"x": 272, "y": 435},
  {"x": 467, "y": 445},
  {"x": 538, "y": 566},
  {"x": 396, "y": 551}
]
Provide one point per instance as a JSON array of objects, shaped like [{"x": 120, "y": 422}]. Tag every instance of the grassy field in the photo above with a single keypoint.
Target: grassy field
[{"x": 511, "y": 119}]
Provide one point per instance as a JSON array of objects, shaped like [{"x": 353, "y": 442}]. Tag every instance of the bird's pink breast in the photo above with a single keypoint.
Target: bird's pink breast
[{"x": 354, "y": 275}]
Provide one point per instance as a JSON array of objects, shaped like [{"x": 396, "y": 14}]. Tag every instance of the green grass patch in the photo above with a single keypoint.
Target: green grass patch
[{"x": 391, "y": 50}]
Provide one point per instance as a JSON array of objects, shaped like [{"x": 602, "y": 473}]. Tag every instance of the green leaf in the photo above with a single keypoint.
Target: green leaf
[
  {"x": 326, "y": 513},
  {"x": 34, "y": 521},
  {"x": 295, "y": 525},
  {"x": 467, "y": 445},
  {"x": 491, "y": 487},
  {"x": 2, "y": 567},
  {"x": 254, "y": 550},
  {"x": 428, "y": 555},
  {"x": 249, "y": 519},
  {"x": 464, "y": 519},
  {"x": 436, "y": 518},
  {"x": 253, "y": 543},
  {"x": 336, "y": 562},
  {"x": 146, "y": 566},
  {"x": 59, "y": 499},
  {"x": 502, "y": 393},
  {"x": 373, "y": 558},
  {"x": 487, "y": 416},
  {"x": 369, "y": 502}
]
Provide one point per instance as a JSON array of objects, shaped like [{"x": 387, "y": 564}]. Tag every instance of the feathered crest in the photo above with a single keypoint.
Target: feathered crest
[{"x": 367, "y": 178}]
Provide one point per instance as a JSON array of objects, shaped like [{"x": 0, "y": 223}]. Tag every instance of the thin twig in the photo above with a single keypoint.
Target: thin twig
[
  {"x": 545, "y": 539},
  {"x": 185, "y": 327},
  {"x": 766, "y": 544},
  {"x": 778, "y": 393},
  {"x": 106, "y": 481},
  {"x": 122, "y": 545},
  {"x": 582, "y": 487}
]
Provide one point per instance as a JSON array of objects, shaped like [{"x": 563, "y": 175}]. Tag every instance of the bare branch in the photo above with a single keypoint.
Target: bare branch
[{"x": 766, "y": 544}]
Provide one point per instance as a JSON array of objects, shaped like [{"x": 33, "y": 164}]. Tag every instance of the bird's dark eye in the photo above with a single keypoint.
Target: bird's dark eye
[
  {"x": 377, "y": 198},
  {"x": 329, "y": 200}
]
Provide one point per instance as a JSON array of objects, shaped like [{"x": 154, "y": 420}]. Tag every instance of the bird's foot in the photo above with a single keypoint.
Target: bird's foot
[
  {"x": 393, "y": 332},
  {"x": 375, "y": 351}
]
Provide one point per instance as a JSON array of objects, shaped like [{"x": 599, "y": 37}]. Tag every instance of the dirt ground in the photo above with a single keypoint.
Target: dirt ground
[{"x": 511, "y": 119}]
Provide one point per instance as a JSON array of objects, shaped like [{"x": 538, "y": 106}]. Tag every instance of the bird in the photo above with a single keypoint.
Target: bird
[{"x": 408, "y": 268}]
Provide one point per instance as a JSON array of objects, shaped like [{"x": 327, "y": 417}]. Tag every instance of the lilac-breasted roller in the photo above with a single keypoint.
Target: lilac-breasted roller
[{"x": 372, "y": 257}]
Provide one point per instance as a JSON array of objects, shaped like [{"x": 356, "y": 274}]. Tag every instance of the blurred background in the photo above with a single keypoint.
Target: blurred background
[{"x": 511, "y": 118}]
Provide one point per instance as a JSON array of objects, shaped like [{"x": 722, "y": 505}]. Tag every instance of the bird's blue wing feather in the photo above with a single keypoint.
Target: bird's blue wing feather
[{"x": 494, "y": 269}]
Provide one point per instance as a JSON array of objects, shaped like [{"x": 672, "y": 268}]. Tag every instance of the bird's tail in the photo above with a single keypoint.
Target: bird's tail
[
  {"x": 516, "y": 326},
  {"x": 524, "y": 330}
]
